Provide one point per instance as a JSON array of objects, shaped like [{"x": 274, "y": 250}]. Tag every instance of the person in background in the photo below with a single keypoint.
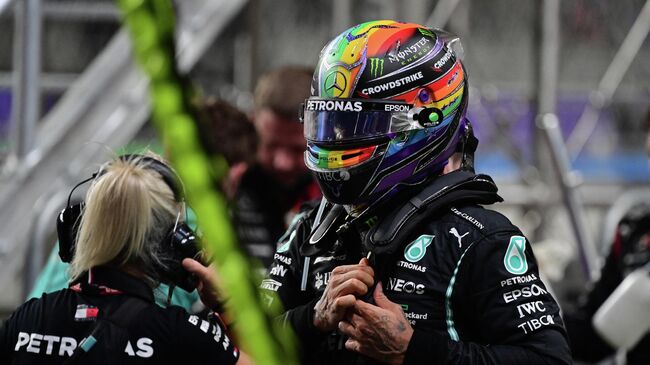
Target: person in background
[
  {"x": 228, "y": 131},
  {"x": 402, "y": 264},
  {"x": 272, "y": 190},
  {"x": 629, "y": 251},
  {"x": 131, "y": 236}
]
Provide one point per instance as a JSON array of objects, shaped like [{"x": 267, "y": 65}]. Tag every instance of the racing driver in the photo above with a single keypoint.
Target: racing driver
[{"x": 400, "y": 263}]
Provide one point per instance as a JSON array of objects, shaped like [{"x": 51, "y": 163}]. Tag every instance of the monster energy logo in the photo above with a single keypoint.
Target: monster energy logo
[
  {"x": 426, "y": 32},
  {"x": 371, "y": 221},
  {"x": 376, "y": 67}
]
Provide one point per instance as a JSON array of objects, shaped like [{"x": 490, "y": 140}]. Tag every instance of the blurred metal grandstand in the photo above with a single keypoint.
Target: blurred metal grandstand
[{"x": 558, "y": 93}]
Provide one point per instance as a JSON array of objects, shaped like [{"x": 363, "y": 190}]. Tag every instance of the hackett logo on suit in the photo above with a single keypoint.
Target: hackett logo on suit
[{"x": 416, "y": 250}]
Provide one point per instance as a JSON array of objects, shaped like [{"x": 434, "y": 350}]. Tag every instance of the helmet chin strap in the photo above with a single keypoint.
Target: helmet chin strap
[{"x": 467, "y": 147}]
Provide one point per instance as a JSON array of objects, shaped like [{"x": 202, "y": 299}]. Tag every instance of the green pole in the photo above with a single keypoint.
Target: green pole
[{"x": 151, "y": 24}]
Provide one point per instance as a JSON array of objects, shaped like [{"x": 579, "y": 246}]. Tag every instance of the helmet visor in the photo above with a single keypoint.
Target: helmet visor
[{"x": 333, "y": 120}]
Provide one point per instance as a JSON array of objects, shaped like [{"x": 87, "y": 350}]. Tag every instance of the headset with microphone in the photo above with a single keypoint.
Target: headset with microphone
[{"x": 179, "y": 243}]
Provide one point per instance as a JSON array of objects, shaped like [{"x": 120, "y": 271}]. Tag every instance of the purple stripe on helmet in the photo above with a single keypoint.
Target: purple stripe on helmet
[{"x": 396, "y": 177}]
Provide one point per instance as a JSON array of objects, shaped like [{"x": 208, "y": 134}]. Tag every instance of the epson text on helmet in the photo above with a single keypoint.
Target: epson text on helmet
[
  {"x": 396, "y": 108},
  {"x": 334, "y": 105}
]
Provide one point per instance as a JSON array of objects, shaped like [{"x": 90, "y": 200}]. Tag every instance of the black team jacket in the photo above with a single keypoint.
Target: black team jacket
[{"x": 465, "y": 276}]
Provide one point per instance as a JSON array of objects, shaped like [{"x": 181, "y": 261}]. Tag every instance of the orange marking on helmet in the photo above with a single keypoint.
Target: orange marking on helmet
[
  {"x": 448, "y": 83},
  {"x": 347, "y": 158}
]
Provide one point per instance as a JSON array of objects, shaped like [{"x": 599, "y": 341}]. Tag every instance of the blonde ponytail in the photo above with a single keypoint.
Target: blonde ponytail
[{"x": 128, "y": 212}]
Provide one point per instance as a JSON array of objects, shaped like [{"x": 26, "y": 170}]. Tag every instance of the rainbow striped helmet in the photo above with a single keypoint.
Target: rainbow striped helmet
[{"x": 387, "y": 109}]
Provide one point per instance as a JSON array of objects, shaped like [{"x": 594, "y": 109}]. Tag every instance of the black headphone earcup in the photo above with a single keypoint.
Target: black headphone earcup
[
  {"x": 67, "y": 225},
  {"x": 181, "y": 243},
  {"x": 185, "y": 242}
]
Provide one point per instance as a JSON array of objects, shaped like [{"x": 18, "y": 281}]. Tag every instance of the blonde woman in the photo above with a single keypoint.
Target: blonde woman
[{"x": 127, "y": 243}]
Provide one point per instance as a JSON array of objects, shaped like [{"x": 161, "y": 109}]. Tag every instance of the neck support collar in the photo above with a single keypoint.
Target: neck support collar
[{"x": 387, "y": 235}]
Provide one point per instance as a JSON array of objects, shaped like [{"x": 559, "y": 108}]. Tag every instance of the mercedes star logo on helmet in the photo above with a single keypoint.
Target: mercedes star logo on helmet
[{"x": 335, "y": 84}]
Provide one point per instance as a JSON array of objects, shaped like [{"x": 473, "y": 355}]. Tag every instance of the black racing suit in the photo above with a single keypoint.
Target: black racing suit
[
  {"x": 466, "y": 278},
  {"x": 49, "y": 329},
  {"x": 630, "y": 251},
  {"x": 261, "y": 205}
]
